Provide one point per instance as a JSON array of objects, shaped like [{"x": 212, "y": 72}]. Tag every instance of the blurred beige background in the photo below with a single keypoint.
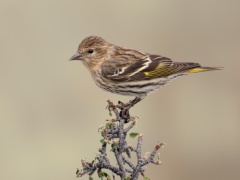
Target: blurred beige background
[{"x": 50, "y": 108}]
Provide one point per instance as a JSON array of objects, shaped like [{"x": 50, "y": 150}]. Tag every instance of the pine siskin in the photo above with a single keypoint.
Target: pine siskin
[{"x": 129, "y": 72}]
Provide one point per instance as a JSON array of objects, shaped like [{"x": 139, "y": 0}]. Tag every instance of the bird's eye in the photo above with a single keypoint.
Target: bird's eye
[{"x": 90, "y": 51}]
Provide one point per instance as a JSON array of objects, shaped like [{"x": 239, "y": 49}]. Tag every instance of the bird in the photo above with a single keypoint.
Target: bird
[{"x": 130, "y": 72}]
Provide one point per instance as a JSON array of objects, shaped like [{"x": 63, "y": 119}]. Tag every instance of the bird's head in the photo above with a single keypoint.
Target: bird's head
[{"x": 92, "y": 51}]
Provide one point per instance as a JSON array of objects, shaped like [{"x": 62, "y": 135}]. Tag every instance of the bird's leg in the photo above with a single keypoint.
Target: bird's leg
[
  {"x": 135, "y": 101},
  {"x": 124, "y": 113}
]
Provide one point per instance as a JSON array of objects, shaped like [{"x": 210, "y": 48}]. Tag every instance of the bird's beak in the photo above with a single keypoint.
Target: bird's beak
[{"x": 76, "y": 56}]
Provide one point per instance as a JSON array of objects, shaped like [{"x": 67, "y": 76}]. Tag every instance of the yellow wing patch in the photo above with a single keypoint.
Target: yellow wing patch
[
  {"x": 161, "y": 70},
  {"x": 156, "y": 71}
]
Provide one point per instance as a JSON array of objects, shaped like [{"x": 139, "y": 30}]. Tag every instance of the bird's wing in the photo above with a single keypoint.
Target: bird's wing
[{"x": 149, "y": 67}]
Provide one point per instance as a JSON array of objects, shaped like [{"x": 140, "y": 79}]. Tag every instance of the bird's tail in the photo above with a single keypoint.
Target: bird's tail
[{"x": 202, "y": 69}]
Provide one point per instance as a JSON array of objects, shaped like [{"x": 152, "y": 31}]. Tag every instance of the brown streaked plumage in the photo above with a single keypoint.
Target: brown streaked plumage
[{"x": 130, "y": 72}]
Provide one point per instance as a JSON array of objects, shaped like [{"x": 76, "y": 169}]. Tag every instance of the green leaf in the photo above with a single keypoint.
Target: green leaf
[
  {"x": 133, "y": 134},
  {"x": 103, "y": 174},
  {"x": 162, "y": 145},
  {"x": 90, "y": 178},
  {"x": 102, "y": 134},
  {"x": 146, "y": 178},
  {"x": 108, "y": 125},
  {"x": 115, "y": 146},
  {"x": 158, "y": 156},
  {"x": 113, "y": 124},
  {"x": 77, "y": 171},
  {"x": 102, "y": 141}
]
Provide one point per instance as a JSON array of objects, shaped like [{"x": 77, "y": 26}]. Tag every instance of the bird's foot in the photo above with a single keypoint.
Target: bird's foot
[
  {"x": 124, "y": 111},
  {"x": 123, "y": 107}
]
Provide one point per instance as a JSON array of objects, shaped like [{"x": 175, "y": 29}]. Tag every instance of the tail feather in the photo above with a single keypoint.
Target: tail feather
[{"x": 202, "y": 69}]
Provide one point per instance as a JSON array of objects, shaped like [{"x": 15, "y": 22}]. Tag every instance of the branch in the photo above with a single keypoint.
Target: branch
[{"x": 114, "y": 136}]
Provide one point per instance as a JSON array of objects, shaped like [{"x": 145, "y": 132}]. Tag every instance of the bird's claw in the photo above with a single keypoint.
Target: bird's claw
[
  {"x": 124, "y": 108},
  {"x": 120, "y": 103},
  {"x": 124, "y": 112}
]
